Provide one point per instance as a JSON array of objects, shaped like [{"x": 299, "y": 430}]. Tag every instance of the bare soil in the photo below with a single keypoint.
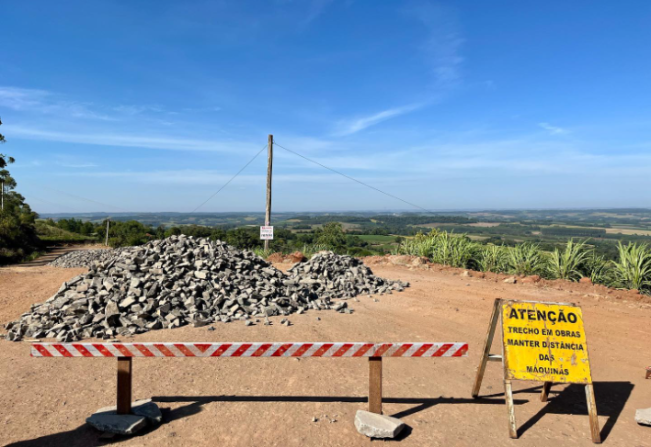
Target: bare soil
[{"x": 271, "y": 402}]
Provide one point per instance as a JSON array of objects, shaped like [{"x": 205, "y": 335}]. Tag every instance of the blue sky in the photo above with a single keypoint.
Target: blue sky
[{"x": 152, "y": 106}]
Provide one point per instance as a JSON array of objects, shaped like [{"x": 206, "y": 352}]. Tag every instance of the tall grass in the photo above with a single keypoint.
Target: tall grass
[
  {"x": 633, "y": 270},
  {"x": 453, "y": 250},
  {"x": 525, "y": 259},
  {"x": 598, "y": 269},
  {"x": 492, "y": 258},
  {"x": 419, "y": 245},
  {"x": 310, "y": 250},
  {"x": 568, "y": 264},
  {"x": 442, "y": 248},
  {"x": 262, "y": 253}
]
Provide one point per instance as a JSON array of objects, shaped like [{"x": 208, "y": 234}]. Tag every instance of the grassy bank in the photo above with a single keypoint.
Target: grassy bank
[{"x": 630, "y": 270}]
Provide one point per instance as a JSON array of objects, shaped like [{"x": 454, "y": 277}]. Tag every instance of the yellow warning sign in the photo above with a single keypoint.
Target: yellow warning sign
[{"x": 544, "y": 342}]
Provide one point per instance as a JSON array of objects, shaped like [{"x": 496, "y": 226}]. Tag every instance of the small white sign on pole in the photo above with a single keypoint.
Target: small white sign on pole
[{"x": 266, "y": 233}]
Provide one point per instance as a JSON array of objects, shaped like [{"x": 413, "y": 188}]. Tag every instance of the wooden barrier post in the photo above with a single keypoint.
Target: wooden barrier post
[
  {"x": 545, "y": 391},
  {"x": 124, "y": 385},
  {"x": 508, "y": 395},
  {"x": 486, "y": 355},
  {"x": 375, "y": 385},
  {"x": 592, "y": 413}
]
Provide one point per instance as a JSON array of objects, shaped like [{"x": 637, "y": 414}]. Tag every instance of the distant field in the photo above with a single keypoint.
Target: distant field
[
  {"x": 344, "y": 225},
  {"x": 377, "y": 238},
  {"x": 476, "y": 224},
  {"x": 483, "y": 224},
  {"x": 620, "y": 229},
  {"x": 628, "y": 231},
  {"x": 477, "y": 238}
]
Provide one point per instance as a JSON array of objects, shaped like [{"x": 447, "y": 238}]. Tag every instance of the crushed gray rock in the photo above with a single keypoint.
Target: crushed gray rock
[
  {"x": 184, "y": 280},
  {"x": 334, "y": 276},
  {"x": 377, "y": 425},
  {"x": 85, "y": 258},
  {"x": 164, "y": 284}
]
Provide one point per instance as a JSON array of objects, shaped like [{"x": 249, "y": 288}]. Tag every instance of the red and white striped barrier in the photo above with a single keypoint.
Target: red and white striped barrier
[{"x": 291, "y": 349}]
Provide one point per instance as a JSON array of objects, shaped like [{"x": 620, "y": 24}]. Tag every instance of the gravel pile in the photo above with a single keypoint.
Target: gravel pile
[
  {"x": 166, "y": 284},
  {"x": 333, "y": 276},
  {"x": 85, "y": 258}
]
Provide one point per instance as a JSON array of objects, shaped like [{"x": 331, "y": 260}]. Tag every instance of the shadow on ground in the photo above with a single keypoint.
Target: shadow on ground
[
  {"x": 567, "y": 399},
  {"x": 610, "y": 398},
  {"x": 88, "y": 436},
  {"x": 570, "y": 399}
]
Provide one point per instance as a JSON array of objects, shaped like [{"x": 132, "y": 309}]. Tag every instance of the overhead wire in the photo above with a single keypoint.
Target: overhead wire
[
  {"x": 353, "y": 179},
  {"x": 88, "y": 200},
  {"x": 52, "y": 203},
  {"x": 231, "y": 179}
]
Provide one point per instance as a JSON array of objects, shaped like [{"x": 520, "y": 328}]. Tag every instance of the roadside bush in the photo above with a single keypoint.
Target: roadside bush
[
  {"x": 598, "y": 269},
  {"x": 492, "y": 258},
  {"x": 570, "y": 263},
  {"x": 633, "y": 269},
  {"x": 18, "y": 237},
  {"x": 526, "y": 259},
  {"x": 310, "y": 250},
  {"x": 453, "y": 250},
  {"x": 419, "y": 245}
]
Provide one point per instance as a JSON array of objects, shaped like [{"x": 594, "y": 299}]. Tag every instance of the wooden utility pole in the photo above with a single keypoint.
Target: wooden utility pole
[
  {"x": 267, "y": 216},
  {"x": 3, "y": 195},
  {"x": 107, "y": 230}
]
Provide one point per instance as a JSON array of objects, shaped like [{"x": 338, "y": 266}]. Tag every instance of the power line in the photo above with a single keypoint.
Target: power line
[
  {"x": 31, "y": 196},
  {"x": 353, "y": 179},
  {"x": 231, "y": 179},
  {"x": 87, "y": 200}
]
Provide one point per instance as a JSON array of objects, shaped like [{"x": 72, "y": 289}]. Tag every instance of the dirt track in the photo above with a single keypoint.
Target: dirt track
[{"x": 242, "y": 402}]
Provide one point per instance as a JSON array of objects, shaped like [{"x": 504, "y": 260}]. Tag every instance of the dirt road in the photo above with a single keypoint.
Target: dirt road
[{"x": 246, "y": 402}]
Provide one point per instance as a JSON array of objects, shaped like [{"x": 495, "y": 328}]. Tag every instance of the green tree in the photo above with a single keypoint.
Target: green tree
[
  {"x": 242, "y": 238},
  {"x": 4, "y": 159},
  {"x": 331, "y": 234},
  {"x": 18, "y": 237}
]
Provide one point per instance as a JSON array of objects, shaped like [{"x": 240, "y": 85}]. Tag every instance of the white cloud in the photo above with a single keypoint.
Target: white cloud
[
  {"x": 441, "y": 47},
  {"x": 73, "y": 165},
  {"x": 554, "y": 130},
  {"x": 44, "y": 102},
  {"x": 207, "y": 177},
  {"x": 158, "y": 141},
  {"x": 132, "y": 110},
  {"x": 315, "y": 9},
  {"x": 355, "y": 125},
  {"x": 443, "y": 43}
]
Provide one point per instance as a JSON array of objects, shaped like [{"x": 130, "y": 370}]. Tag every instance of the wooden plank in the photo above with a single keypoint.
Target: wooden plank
[
  {"x": 508, "y": 395},
  {"x": 124, "y": 385},
  {"x": 545, "y": 391},
  {"x": 487, "y": 347},
  {"x": 375, "y": 385},
  {"x": 592, "y": 413}
]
